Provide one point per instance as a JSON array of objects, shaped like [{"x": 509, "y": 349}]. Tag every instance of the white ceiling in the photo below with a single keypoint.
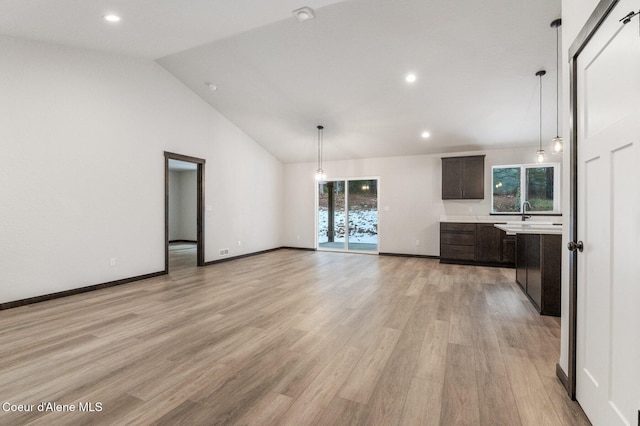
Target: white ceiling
[
  {"x": 149, "y": 28},
  {"x": 278, "y": 78}
]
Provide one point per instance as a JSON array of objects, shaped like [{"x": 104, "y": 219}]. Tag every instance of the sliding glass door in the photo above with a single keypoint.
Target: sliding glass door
[{"x": 348, "y": 215}]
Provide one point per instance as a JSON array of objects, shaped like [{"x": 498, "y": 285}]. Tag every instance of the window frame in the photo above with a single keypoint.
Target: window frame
[{"x": 557, "y": 205}]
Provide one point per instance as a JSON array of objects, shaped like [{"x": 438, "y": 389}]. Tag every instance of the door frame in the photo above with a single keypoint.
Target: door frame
[
  {"x": 200, "y": 162},
  {"x": 600, "y": 13}
]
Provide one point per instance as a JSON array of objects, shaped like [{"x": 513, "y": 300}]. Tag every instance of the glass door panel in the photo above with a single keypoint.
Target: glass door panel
[
  {"x": 362, "y": 212},
  {"x": 331, "y": 215}
]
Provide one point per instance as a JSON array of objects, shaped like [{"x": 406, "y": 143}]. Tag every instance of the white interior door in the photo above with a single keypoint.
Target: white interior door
[{"x": 608, "y": 310}]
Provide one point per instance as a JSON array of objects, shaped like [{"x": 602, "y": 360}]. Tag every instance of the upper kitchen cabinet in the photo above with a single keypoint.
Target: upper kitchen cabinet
[{"x": 463, "y": 178}]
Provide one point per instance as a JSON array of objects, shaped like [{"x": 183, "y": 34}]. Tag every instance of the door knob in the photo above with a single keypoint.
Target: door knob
[{"x": 573, "y": 246}]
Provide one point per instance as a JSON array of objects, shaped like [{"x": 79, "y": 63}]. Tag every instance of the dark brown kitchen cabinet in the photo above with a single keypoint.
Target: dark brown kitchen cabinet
[
  {"x": 521, "y": 264},
  {"x": 538, "y": 270},
  {"x": 457, "y": 241},
  {"x": 509, "y": 249},
  {"x": 475, "y": 244},
  {"x": 463, "y": 178},
  {"x": 488, "y": 243}
]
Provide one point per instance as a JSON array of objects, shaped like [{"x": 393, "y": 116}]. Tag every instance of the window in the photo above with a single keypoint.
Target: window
[{"x": 536, "y": 183}]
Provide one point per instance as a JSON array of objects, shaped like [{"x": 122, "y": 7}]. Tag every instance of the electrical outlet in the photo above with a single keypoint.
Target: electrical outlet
[
  {"x": 112, "y": 262},
  {"x": 417, "y": 242},
  {"x": 298, "y": 237},
  {"x": 224, "y": 252},
  {"x": 239, "y": 243}
]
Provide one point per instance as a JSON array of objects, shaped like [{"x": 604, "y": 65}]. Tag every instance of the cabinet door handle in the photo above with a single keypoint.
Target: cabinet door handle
[{"x": 573, "y": 246}]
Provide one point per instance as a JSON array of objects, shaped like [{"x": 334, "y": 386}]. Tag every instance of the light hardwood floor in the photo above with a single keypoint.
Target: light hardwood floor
[{"x": 291, "y": 338}]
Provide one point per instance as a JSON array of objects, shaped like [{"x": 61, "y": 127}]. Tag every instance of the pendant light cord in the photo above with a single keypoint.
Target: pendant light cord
[
  {"x": 557, "y": 82},
  {"x": 319, "y": 160},
  {"x": 320, "y": 147},
  {"x": 540, "y": 120},
  {"x": 540, "y": 150}
]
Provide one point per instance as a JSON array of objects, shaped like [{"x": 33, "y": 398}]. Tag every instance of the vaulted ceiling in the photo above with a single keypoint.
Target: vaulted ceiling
[{"x": 277, "y": 78}]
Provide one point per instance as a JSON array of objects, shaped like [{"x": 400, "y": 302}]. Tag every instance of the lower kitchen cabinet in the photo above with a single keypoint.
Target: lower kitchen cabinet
[
  {"x": 509, "y": 249},
  {"x": 476, "y": 244},
  {"x": 538, "y": 270},
  {"x": 457, "y": 242},
  {"x": 488, "y": 244}
]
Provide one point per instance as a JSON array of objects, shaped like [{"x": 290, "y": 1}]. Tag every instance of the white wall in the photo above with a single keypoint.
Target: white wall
[
  {"x": 174, "y": 205},
  {"x": 183, "y": 203},
  {"x": 410, "y": 203},
  {"x": 82, "y": 136},
  {"x": 574, "y": 15}
]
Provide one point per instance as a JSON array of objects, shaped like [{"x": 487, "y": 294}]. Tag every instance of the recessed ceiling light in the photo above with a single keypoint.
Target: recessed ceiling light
[
  {"x": 410, "y": 78},
  {"x": 425, "y": 135},
  {"x": 211, "y": 86},
  {"x": 111, "y": 18},
  {"x": 304, "y": 14}
]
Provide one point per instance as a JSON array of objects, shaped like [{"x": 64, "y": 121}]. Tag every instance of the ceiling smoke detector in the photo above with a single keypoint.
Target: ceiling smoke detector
[{"x": 304, "y": 14}]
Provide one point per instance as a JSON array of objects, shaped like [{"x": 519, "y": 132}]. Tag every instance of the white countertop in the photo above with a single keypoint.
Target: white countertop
[
  {"x": 476, "y": 219},
  {"x": 500, "y": 219},
  {"x": 530, "y": 228}
]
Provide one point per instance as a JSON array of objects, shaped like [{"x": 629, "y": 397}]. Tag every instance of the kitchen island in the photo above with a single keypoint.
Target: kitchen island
[{"x": 538, "y": 262}]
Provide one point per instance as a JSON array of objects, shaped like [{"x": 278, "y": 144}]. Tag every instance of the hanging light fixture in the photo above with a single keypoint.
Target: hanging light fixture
[
  {"x": 320, "y": 172},
  {"x": 557, "y": 141},
  {"x": 540, "y": 154}
]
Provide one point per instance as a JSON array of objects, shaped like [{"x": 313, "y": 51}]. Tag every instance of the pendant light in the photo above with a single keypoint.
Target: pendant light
[
  {"x": 320, "y": 172},
  {"x": 540, "y": 154},
  {"x": 557, "y": 141}
]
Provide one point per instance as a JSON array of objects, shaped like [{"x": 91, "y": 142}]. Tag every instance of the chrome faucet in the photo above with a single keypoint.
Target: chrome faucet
[{"x": 524, "y": 216}]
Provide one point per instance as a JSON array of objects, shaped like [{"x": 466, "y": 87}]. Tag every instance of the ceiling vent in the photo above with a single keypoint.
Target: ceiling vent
[{"x": 304, "y": 14}]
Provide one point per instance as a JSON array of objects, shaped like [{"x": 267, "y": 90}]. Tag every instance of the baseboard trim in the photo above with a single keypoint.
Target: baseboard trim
[
  {"x": 183, "y": 241},
  {"x": 298, "y": 248},
  {"x": 474, "y": 263},
  {"x": 74, "y": 291},
  {"x": 60, "y": 294},
  {"x": 560, "y": 374},
  {"x": 419, "y": 256},
  {"x": 241, "y": 256}
]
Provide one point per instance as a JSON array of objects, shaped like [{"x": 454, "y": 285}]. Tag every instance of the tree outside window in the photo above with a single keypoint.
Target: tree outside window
[{"x": 513, "y": 185}]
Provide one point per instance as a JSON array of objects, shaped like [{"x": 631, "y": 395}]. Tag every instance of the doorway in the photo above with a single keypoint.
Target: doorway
[
  {"x": 347, "y": 212},
  {"x": 181, "y": 234}
]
